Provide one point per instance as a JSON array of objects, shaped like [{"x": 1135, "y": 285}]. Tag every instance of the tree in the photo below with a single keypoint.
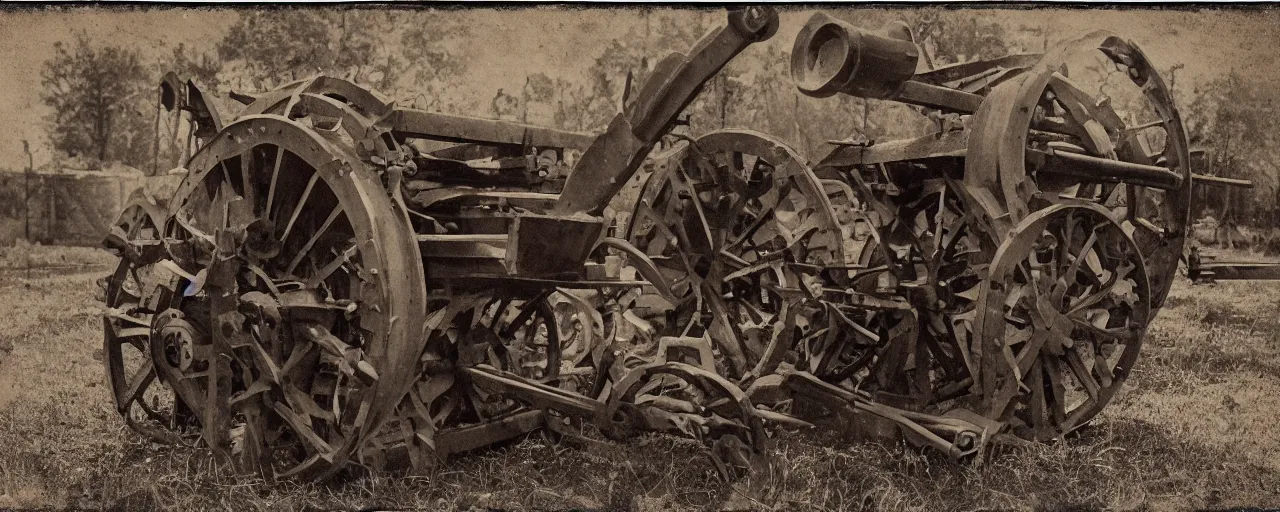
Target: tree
[
  {"x": 278, "y": 45},
  {"x": 98, "y": 94},
  {"x": 201, "y": 67},
  {"x": 539, "y": 89},
  {"x": 270, "y": 47},
  {"x": 949, "y": 37},
  {"x": 635, "y": 54},
  {"x": 1236, "y": 120},
  {"x": 432, "y": 46}
]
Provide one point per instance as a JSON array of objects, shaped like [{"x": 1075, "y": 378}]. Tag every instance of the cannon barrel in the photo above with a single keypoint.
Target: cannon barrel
[
  {"x": 617, "y": 153},
  {"x": 832, "y": 56}
]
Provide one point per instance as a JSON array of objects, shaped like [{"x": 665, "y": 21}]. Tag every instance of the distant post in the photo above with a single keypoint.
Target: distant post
[{"x": 26, "y": 192}]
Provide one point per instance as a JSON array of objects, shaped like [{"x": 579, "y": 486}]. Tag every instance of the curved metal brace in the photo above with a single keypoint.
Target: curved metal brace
[
  {"x": 691, "y": 374},
  {"x": 643, "y": 264}
]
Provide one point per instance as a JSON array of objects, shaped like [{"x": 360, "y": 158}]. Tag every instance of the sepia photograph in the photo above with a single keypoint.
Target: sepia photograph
[{"x": 640, "y": 257}]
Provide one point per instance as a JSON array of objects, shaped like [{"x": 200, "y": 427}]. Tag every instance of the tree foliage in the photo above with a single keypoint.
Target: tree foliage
[
  {"x": 949, "y": 37},
  {"x": 1237, "y": 121},
  {"x": 270, "y": 47},
  {"x": 98, "y": 94},
  {"x": 199, "y": 66},
  {"x": 433, "y": 45}
]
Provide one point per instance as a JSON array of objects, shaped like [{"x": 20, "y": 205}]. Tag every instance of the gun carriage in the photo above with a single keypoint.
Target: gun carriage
[{"x": 339, "y": 280}]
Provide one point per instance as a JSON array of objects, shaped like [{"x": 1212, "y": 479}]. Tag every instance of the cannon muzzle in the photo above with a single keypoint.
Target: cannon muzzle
[{"x": 833, "y": 56}]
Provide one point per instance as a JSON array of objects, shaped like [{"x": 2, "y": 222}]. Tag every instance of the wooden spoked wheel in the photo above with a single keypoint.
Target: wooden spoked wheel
[
  {"x": 1064, "y": 313},
  {"x": 134, "y": 293},
  {"x": 1094, "y": 101},
  {"x": 523, "y": 335},
  {"x": 520, "y": 336},
  {"x": 722, "y": 225},
  {"x": 308, "y": 286}
]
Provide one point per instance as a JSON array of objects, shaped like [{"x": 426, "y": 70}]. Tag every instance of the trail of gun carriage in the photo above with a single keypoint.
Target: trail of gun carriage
[{"x": 342, "y": 287}]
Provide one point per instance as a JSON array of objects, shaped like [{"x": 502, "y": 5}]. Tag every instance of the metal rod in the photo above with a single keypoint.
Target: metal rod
[
  {"x": 1106, "y": 170},
  {"x": 1220, "y": 181}
]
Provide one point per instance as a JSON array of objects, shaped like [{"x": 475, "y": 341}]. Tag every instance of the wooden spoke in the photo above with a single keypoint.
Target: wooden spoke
[
  {"x": 275, "y": 175},
  {"x": 139, "y": 382},
  {"x": 333, "y": 266},
  {"x": 297, "y": 208},
  {"x": 302, "y": 426},
  {"x": 1093, "y": 298},
  {"x": 1080, "y": 256},
  {"x": 226, "y": 176},
  {"x": 246, "y": 179},
  {"x": 324, "y": 227},
  {"x": 1058, "y": 397},
  {"x": 1103, "y": 367},
  {"x": 1039, "y": 403},
  {"x": 758, "y": 222},
  {"x": 1083, "y": 374}
]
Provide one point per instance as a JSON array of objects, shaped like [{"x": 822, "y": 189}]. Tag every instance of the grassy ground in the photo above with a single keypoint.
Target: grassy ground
[{"x": 1194, "y": 429}]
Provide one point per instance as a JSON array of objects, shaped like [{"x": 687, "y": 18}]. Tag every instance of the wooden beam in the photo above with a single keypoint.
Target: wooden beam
[
  {"x": 930, "y": 146},
  {"x": 942, "y": 98}
]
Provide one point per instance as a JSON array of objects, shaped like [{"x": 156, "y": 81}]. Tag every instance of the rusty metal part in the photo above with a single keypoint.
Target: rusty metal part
[
  {"x": 455, "y": 128},
  {"x": 176, "y": 94},
  {"x": 948, "y": 144},
  {"x": 1105, "y": 170},
  {"x": 833, "y": 56},
  {"x": 930, "y": 252},
  {"x": 1220, "y": 181},
  {"x": 679, "y": 397},
  {"x": 1038, "y": 155},
  {"x": 965, "y": 434}
]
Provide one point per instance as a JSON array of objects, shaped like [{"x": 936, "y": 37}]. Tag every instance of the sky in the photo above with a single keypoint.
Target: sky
[{"x": 558, "y": 41}]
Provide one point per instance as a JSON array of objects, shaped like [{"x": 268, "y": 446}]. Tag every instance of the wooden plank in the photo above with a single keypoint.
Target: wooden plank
[
  {"x": 949, "y": 144},
  {"x": 1227, "y": 271},
  {"x": 942, "y": 98},
  {"x": 464, "y": 439},
  {"x": 469, "y": 196},
  {"x": 963, "y": 70},
  {"x": 463, "y": 246}
]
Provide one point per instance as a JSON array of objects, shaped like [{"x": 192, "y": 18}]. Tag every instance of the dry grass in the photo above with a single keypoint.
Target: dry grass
[
  {"x": 42, "y": 258},
  {"x": 1193, "y": 430}
]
